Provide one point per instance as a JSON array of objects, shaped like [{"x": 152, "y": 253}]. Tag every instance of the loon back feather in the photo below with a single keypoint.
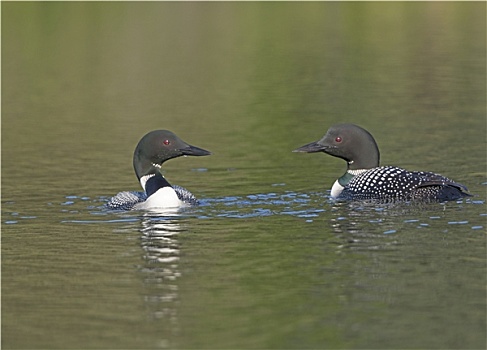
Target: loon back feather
[{"x": 126, "y": 200}]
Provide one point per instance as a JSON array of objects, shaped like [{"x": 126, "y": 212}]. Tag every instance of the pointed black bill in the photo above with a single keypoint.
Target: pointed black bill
[
  {"x": 311, "y": 148},
  {"x": 194, "y": 151}
]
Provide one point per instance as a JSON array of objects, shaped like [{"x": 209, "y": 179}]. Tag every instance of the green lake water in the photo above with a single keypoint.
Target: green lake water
[{"x": 266, "y": 261}]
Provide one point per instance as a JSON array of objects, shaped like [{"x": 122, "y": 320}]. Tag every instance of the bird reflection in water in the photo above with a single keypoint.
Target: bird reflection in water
[{"x": 160, "y": 270}]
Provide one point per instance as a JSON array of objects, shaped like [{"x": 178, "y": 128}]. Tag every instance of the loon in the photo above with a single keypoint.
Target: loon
[
  {"x": 152, "y": 150},
  {"x": 366, "y": 180}
]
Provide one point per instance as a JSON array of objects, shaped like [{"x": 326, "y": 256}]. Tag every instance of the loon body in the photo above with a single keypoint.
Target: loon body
[
  {"x": 366, "y": 180},
  {"x": 152, "y": 150}
]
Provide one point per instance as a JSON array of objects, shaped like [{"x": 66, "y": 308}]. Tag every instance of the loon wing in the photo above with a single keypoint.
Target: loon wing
[
  {"x": 432, "y": 179},
  {"x": 184, "y": 195},
  {"x": 126, "y": 200},
  {"x": 443, "y": 187}
]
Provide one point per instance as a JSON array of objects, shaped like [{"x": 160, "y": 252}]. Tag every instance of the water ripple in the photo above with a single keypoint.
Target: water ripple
[{"x": 307, "y": 206}]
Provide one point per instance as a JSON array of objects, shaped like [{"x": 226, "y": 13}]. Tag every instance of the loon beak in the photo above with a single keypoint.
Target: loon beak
[
  {"x": 311, "y": 148},
  {"x": 194, "y": 151}
]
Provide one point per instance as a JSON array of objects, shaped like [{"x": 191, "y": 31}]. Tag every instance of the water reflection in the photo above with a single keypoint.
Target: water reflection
[
  {"x": 373, "y": 258},
  {"x": 370, "y": 226},
  {"x": 160, "y": 271},
  {"x": 353, "y": 218}
]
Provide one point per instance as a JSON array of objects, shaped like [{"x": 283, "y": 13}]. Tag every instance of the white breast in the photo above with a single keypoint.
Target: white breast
[
  {"x": 336, "y": 189},
  {"x": 165, "y": 197}
]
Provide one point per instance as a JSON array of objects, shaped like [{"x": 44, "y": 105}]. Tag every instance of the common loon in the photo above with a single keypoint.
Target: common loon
[
  {"x": 152, "y": 150},
  {"x": 365, "y": 180}
]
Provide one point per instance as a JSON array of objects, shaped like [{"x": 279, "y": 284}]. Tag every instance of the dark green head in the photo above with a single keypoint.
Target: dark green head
[
  {"x": 349, "y": 142},
  {"x": 158, "y": 146}
]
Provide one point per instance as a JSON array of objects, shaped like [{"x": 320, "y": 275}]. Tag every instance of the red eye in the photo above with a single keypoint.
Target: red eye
[
  {"x": 338, "y": 139},
  {"x": 166, "y": 142}
]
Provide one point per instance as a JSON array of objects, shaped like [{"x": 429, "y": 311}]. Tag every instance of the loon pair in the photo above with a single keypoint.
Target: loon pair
[{"x": 363, "y": 180}]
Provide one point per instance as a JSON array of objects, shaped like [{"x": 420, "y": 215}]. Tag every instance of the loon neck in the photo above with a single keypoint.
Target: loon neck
[
  {"x": 349, "y": 175},
  {"x": 144, "y": 168},
  {"x": 151, "y": 183},
  {"x": 363, "y": 162}
]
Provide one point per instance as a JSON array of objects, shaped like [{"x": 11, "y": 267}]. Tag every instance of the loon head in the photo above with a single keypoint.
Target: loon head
[
  {"x": 158, "y": 146},
  {"x": 350, "y": 142}
]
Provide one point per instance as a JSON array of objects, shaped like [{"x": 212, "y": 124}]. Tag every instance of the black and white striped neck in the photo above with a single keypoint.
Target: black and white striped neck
[{"x": 151, "y": 183}]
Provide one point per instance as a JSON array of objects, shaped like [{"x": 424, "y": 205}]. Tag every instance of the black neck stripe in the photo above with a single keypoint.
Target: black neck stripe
[{"x": 155, "y": 183}]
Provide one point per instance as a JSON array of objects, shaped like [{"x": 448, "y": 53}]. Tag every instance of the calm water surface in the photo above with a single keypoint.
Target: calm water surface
[{"x": 266, "y": 260}]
